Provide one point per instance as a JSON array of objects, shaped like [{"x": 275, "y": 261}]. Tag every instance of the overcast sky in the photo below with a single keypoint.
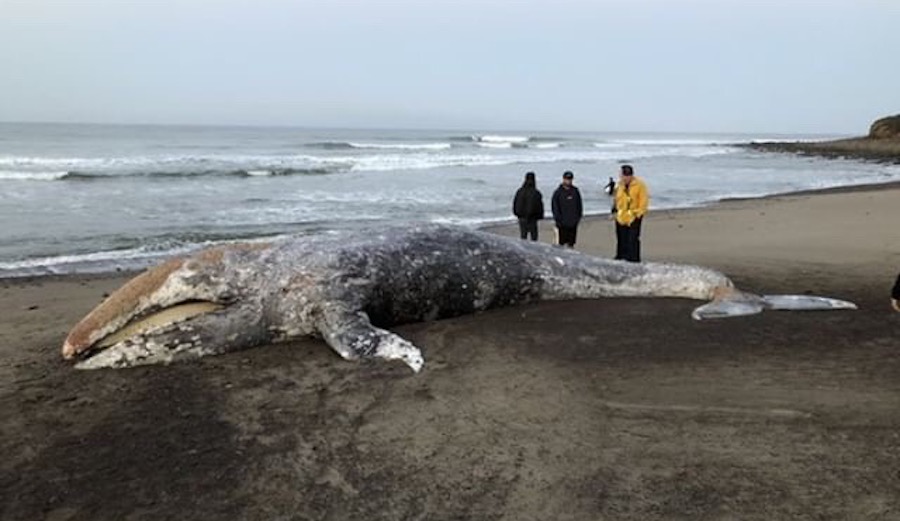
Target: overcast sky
[{"x": 668, "y": 65}]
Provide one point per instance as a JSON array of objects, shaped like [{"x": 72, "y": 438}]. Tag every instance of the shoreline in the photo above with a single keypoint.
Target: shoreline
[{"x": 494, "y": 227}]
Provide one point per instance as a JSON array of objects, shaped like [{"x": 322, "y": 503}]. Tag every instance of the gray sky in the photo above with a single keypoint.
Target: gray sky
[{"x": 667, "y": 65}]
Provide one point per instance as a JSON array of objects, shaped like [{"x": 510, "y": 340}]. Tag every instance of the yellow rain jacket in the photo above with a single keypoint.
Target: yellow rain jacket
[{"x": 631, "y": 203}]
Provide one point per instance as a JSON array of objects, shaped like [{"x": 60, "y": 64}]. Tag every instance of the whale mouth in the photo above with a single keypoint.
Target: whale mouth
[{"x": 153, "y": 320}]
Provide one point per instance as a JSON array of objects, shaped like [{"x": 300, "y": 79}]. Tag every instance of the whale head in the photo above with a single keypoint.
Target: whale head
[{"x": 183, "y": 308}]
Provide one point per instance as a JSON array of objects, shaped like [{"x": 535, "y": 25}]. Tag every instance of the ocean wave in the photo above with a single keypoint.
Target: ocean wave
[
  {"x": 496, "y": 153},
  {"x": 92, "y": 163},
  {"x": 167, "y": 163},
  {"x": 288, "y": 172},
  {"x": 629, "y": 155},
  {"x": 511, "y": 141},
  {"x": 349, "y": 145},
  {"x": 134, "y": 258},
  {"x": 507, "y": 138},
  {"x": 508, "y": 144},
  {"x": 554, "y": 139},
  {"x": 33, "y": 176},
  {"x": 95, "y": 262},
  {"x": 679, "y": 142},
  {"x": 100, "y": 176},
  {"x": 387, "y": 162},
  {"x": 472, "y": 222},
  {"x": 496, "y": 138},
  {"x": 402, "y": 146},
  {"x": 330, "y": 145},
  {"x": 26, "y": 168}
]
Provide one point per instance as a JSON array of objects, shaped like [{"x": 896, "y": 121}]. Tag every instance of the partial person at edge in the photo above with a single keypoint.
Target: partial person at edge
[{"x": 895, "y": 294}]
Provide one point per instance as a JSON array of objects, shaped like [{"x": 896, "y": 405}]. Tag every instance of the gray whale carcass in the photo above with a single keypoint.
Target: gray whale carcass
[{"x": 347, "y": 287}]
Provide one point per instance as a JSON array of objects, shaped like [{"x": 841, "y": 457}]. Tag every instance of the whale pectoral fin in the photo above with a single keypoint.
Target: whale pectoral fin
[
  {"x": 739, "y": 304},
  {"x": 354, "y": 337}
]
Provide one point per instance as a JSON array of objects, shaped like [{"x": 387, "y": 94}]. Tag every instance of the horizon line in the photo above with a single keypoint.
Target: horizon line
[{"x": 401, "y": 128}]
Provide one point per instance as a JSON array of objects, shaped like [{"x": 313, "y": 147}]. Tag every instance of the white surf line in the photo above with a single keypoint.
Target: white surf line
[{"x": 784, "y": 413}]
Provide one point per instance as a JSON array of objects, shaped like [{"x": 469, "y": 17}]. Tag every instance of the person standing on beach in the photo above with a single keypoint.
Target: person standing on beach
[
  {"x": 567, "y": 211},
  {"x": 895, "y": 294},
  {"x": 528, "y": 206},
  {"x": 610, "y": 187},
  {"x": 632, "y": 200}
]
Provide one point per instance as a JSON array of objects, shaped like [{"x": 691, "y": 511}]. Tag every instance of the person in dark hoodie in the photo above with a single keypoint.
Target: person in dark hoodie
[
  {"x": 528, "y": 206},
  {"x": 895, "y": 294},
  {"x": 567, "y": 211}
]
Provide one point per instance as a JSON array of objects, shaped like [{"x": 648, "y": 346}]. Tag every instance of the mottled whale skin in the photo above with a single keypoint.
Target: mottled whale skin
[{"x": 348, "y": 287}]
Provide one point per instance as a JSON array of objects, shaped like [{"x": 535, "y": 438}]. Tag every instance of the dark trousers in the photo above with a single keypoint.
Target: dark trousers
[
  {"x": 628, "y": 241},
  {"x": 528, "y": 227},
  {"x": 567, "y": 235}
]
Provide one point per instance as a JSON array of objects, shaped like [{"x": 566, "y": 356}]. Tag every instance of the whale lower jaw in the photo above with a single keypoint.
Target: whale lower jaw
[{"x": 134, "y": 353}]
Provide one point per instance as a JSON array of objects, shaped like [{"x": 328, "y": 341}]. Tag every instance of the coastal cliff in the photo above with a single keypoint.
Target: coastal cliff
[{"x": 881, "y": 144}]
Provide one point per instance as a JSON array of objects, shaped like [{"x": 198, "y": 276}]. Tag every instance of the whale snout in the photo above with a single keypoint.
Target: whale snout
[
  {"x": 174, "y": 292},
  {"x": 69, "y": 350}
]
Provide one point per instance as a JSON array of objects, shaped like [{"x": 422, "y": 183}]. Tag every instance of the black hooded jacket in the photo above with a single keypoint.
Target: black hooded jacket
[
  {"x": 528, "y": 203},
  {"x": 567, "y": 209}
]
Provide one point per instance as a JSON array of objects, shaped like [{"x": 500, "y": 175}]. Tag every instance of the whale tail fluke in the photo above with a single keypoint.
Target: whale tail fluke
[
  {"x": 740, "y": 304},
  {"x": 805, "y": 302}
]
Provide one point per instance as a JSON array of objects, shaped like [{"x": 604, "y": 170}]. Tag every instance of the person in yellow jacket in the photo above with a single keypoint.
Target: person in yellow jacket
[{"x": 632, "y": 201}]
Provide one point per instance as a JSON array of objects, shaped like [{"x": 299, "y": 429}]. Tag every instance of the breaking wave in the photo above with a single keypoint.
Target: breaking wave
[
  {"x": 33, "y": 176},
  {"x": 98, "y": 176},
  {"x": 349, "y": 145},
  {"x": 500, "y": 139},
  {"x": 126, "y": 259},
  {"x": 518, "y": 144},
  {"x": 487, "y": 153}
]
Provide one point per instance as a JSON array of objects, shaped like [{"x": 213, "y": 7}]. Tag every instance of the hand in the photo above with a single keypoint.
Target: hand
[{"x": 896, "y": 304}]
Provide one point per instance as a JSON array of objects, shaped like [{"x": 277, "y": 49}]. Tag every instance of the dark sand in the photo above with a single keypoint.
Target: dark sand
[{"x": 609, "y": 409}]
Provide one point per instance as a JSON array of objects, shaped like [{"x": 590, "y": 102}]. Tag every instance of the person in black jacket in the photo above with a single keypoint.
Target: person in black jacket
[
  {"x": 567, "y": 211},
  {"x": 895, "y": 294},
  {"x": 528, "y": 206}
]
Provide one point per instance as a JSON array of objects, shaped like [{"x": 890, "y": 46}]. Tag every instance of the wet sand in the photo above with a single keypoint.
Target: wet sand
[{"x": 609, "y": 409}]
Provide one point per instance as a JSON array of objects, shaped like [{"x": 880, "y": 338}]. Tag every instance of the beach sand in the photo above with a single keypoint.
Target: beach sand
[{"x": 608, "y": 409}]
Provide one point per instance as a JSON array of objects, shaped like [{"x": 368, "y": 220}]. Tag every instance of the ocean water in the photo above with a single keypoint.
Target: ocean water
[{"x": 89, "y": 198}]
